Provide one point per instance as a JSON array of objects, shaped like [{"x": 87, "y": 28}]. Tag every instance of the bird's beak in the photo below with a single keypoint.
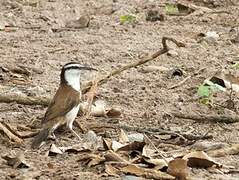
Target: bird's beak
[{"x": 88, "y": 68}]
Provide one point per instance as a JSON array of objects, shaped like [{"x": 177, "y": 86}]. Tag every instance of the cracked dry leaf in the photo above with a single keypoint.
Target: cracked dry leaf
[
  {"x": 157, "y": 163},
  {"x": 134, "y": 146},
  {"x": 178, "y": 168},
  {"x": 163, "y": 137},
  {"x": 111, "y": 170},
  {"x": 116, "y": 145},
  {"x": 144, "y": 172},
  {"x": 123, "y": 137},
  {"x": 16, "y": 162},
  {"x": 83, "y": 147},
  {"x": 91, "y": 159},
  {"x": 107, "y": 143},
  {"x": 148, "y": 151},
  {"x": 113, "y": 156},
  {"x": 200, "y": 159},
  {"x": 95, "y": 160},
  {"x": 54, "y": 150}
]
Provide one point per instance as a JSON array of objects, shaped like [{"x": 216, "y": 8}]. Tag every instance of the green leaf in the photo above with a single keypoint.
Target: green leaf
[
  {"x": 204, "y": 91},
  {"x": 127, "y": 18},
  {"x": 171, "y": 9},
  {"x": 205, "y": 101},
  {"x": 236, "y": 65}
]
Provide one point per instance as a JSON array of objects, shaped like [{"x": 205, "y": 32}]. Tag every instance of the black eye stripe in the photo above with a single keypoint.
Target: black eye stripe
[{"x": 72, "y": 67}]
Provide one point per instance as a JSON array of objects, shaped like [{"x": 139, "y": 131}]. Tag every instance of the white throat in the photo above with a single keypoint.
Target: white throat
[{"x": 72, "y": 78}]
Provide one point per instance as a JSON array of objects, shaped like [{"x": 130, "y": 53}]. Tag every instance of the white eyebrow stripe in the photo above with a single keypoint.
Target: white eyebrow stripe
[{"x": 71, "y": 65}]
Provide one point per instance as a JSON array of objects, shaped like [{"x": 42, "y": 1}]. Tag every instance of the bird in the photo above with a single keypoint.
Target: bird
[{"x": 65, "y": 104}]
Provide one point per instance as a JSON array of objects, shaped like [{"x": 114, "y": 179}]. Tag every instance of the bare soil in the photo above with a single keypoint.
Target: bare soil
[{"x": 144, "y": 97}]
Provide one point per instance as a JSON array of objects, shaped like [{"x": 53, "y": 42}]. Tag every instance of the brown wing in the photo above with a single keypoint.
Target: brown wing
[{"x": 64, "y": 100}]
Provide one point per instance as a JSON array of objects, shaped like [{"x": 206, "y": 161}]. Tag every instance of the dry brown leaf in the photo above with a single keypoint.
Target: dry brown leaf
[
  {"x": 178, "y": 168},
  {"x": 95, "y": 160},
  {"x": 16, "y": 162},
  {"x": 116, "y": 145},
  {"x": 107, "y": 143},
  {"x": 91, "y": 159},
  {"x": 54, "y": 150},
  {"x": 83, "y": 147},
  {"x": 85, "y": 157},
  {"x": 134, "y": 146},
  {"x": 123, "y": 138},
  {"x": 50, "y": 165},
  {"x": 113, "y": 156},
  {"x": 148, "y": 151},
  {"x": 113, "y": 112},
  {"x": 157, "y": 163},
  {"x": 112, "y": 171},
  {"x": 143, "y": 172},
  {"x": 179, "y": 154},
  {"x": 163, "y": 137},
  {"x": 200, "y": 159},
  {"x": 234, "y": 149}
]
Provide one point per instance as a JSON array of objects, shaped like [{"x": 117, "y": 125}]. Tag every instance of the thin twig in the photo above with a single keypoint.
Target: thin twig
[
  {"x": 10, "y": 135},
  {"x": 187, "y": 78},
  {"x": 7, "y": 98},
  {"x": 180, "y": 83},
  {"x": 135, "y": 64},
  {"x": 56, "y": 50},
  {"x": 158, "y": 151},
  {"x": 149, "y": 130},
  {"x": 27, "y": 100}
]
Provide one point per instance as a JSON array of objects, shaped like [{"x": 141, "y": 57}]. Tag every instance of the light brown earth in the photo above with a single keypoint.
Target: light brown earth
[{"x": 144, "y": 97}]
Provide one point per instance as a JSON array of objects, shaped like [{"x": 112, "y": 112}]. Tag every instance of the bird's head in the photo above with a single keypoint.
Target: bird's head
[{"x": 71, "y": 72}]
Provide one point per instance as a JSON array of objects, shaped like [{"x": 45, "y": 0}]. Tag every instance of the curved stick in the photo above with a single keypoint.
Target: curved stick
[{"x": 8, "y": 98}]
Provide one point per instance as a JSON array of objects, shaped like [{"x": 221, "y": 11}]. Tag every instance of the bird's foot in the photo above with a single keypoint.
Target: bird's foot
[{"x": 52, "y": 136}]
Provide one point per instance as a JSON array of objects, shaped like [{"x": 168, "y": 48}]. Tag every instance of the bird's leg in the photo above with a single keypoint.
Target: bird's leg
[
  {"x": 51, "y": 133},
  {"x": 76, "y": 134},
  {"x": 71, "y": 129}
]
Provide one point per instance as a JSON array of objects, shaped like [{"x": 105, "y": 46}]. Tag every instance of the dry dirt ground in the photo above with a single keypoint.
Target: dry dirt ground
[{"x": 144, "y": 97}]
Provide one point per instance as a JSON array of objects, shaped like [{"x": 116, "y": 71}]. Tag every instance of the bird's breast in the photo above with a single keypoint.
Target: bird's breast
[{"x": 71, "y": 115}]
